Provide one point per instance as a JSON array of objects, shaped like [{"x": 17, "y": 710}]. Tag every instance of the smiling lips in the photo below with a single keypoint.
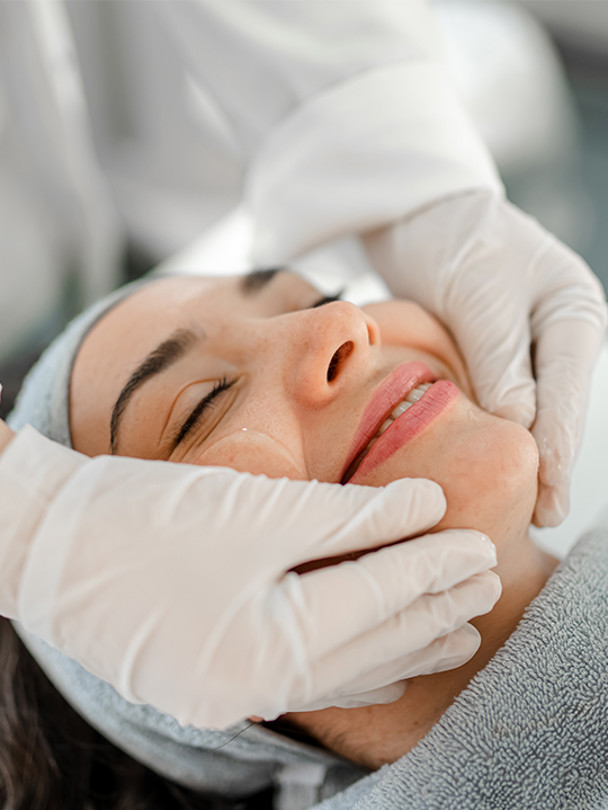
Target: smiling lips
[{"x": 407, "y": 402}]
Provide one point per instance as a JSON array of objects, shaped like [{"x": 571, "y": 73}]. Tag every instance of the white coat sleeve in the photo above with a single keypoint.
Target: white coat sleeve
[{"x": 345, "y": 116}]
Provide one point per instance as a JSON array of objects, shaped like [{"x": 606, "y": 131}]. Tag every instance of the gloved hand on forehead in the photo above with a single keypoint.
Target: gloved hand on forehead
[
  {"x": 527, "y": 313},
  {"x": 175, "y": 583}
]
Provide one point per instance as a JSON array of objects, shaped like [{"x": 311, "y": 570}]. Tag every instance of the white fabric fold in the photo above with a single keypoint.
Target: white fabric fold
[{"x": 413, "y": 146}]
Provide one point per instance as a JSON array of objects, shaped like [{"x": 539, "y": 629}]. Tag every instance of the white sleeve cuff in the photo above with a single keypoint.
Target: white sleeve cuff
[
  {"x": 33, "y": 470},
  {"x": 362, "y": 154}
]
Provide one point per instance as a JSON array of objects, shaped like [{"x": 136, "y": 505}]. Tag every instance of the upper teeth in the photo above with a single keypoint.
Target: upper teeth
[{"x": 414, "y": 395}]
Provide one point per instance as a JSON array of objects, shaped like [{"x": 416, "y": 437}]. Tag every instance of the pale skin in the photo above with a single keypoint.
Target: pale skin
[
  {"x": 300, "y": 378},
  {"x": 6, "y": 436}
]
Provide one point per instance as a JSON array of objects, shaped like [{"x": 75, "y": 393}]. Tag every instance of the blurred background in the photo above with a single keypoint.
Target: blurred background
[
  {"x": 533, "y": 74},
  {"x": 535, "y": 77}
]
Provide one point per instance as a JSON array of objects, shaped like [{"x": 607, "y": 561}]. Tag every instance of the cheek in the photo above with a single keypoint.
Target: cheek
[
  {"x": 492, "y": 475},
  {"x": 258, "y": 453},
  {"x": 486, "y": 466},
  {"x": 406, "y": 323}
]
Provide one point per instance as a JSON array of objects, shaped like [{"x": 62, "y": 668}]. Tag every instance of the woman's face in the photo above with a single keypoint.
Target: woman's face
[{"x": 252, "y": 373}]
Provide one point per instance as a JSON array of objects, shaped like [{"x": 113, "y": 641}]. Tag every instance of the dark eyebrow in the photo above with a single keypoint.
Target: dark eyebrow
[
  {"x": 254, "y": 281},
  {"x": 160, "y": 359}
]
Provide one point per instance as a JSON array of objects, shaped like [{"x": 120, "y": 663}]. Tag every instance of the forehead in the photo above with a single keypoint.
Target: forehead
[
  {"x": 133, "y": 328},
  {"x": 136, "y": 325}
]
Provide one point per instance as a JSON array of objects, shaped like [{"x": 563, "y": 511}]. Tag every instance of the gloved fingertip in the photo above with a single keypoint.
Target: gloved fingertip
[
  {"x": 488, "y": 588},
  {"x": 470, "y": 545},
  {"x": 552, "y": 505},
  {"x": 429, "y": 491},
  {"x": 551, "y": 472},
  {"x": 522, "y": 413},
  {"x": 556, "y": 451},
  {"x": 387, "y": 694},
  {"x": 423, "y": 484},
  {"x": 390, "y": 693},
  {"x": 470, "y": 637},
  {"x": 512, "y": 396},
  {"x": 486, "y": 547},
  {"x": 457, "y": 648}
]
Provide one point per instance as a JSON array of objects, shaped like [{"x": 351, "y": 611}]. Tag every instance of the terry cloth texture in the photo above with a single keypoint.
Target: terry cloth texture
[{"x": 531, "y": 729}]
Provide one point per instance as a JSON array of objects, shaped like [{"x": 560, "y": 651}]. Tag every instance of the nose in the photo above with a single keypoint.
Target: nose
[{"x": 325, "y": 349}]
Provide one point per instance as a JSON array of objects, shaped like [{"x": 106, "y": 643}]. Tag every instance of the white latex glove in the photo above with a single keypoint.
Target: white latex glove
[
  {"x": 169, "y": 581},
  {"x": 527, "y": 313}
]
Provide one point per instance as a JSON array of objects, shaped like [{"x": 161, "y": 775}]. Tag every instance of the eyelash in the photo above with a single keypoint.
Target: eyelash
[
  {"x": 202, "y": 408},
  {"x": 328, "y": 299},
  {"x": 223, "y": 384}
]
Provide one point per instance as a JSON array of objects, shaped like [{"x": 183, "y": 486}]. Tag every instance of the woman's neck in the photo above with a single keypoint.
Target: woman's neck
[{"x": 375, "y": 735}]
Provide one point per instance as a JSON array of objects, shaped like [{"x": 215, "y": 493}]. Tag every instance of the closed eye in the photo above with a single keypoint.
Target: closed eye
[{"x": 201, "y": 409}]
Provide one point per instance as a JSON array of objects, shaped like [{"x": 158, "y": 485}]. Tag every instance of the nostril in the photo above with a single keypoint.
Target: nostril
[
  {"x": 372, "y": 337},
  {"x": 339, "y": 356}
]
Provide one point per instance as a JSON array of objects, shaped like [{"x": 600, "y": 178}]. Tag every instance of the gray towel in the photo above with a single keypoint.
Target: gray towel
[{"x": 530, "y": 732}]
